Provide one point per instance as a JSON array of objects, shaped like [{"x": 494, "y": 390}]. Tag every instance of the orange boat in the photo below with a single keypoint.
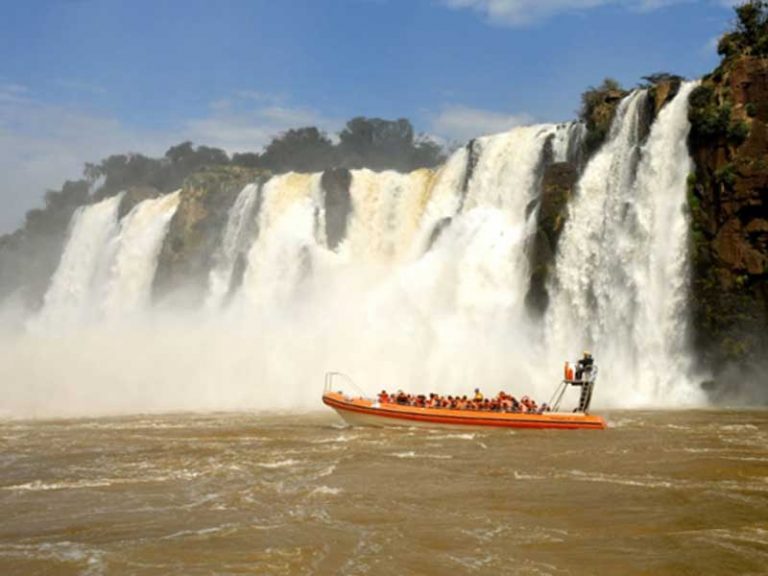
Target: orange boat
[{"x": 362, "y": 411}]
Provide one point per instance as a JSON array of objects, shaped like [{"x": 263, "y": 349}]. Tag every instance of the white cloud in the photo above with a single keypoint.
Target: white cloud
[
  {"x": 462, "y": 123},
  {"x": 43, "y": 144},
  {"x": 523, "y": 12},
  {"x": 235, "y": 126}
]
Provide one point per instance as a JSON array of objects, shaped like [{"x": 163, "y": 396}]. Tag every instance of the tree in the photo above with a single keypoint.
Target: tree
[
  {"x": 610, "y": 89},
  {"x": 386, "y": 144},
  {"x": 303, "y": 150},
  {"x": 750, "y": 36}
]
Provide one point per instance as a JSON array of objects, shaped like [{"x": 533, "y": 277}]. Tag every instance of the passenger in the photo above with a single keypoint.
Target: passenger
[
  {"x": 478, "y": 395},
  {"x": 383, "y": 397}
]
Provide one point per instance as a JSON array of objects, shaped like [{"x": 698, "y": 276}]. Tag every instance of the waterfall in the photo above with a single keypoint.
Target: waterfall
[
  {"x": 445, "y": 200},
  {"x": 505, "y": 174},
  {"x": 235, "y": 242},
  {"x": 425, "y": 291},
  {"x": 386, "y": 212},
  {"x": 620, "y": 268},
  {"x": 67, "y": 300},
  {"x": 289, "y": 232},
  {"x": 136, "y": 249},
  {"x": 567, "y": 142}
]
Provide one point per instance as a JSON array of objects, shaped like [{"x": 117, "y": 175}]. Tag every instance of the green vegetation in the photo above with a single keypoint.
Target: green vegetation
[
  {"x": 711, "y": 118},
  {"x": 726, "y": 175},
  {"x": 29, "y": 256},
  {"x": 750, "y": 38},
  {"x": 598, "y": 105},
  {"x": 738, "y": 131}
]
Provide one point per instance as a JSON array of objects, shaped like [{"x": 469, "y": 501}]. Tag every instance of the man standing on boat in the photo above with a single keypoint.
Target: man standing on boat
[
  {"x": 584, "y": 366},
  {"x": 585, "y": 377}
]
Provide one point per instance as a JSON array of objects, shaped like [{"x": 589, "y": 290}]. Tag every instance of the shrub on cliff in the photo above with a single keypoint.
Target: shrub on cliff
[
  {"x": 598, "y": 105},
  {"x": 712, "y": 120},
  {"x": 751, "y": 34}
]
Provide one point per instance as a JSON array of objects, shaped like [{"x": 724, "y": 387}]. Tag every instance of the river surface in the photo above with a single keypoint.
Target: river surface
[{"x": 657, "y": 493}]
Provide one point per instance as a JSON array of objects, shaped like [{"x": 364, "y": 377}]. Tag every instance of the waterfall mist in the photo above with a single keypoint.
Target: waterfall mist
[{"x": 425, "y": 292}]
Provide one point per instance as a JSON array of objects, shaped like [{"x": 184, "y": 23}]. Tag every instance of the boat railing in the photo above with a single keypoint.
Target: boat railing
[
  {"x": 587, "y": 384},
  {"x": 330, "y": 377}
]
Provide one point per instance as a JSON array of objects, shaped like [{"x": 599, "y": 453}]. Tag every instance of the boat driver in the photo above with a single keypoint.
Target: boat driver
[{"x": 584, "y": 366}]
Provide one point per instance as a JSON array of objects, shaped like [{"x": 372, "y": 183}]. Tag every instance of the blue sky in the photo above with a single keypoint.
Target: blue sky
[{"x": 82, "y": 79}]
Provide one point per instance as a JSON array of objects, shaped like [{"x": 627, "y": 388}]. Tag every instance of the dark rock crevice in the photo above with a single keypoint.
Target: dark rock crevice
[{"x": 338, "y": 204}]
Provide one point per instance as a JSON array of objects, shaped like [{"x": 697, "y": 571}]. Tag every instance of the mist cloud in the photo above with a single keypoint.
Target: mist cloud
[{"x": 517, "y": 13}]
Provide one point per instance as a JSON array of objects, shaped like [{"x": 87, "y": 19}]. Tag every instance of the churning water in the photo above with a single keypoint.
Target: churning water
[{"x": 670, "y": 493}]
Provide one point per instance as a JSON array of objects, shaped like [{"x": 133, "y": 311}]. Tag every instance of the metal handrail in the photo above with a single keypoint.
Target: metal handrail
[
  {"x": 330, "y": 376},
  {"x": 585, "y": 398},
  {"x": 557, "y": 397}
]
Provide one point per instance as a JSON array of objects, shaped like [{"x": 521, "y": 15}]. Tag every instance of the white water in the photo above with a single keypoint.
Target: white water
[
  {"x": 382, "y": 306},
  {"x": 136, "y": 249},
  {"x": 289, "y": 231},
  {"x": 67, "y": 301},
  {"x": 235, "y": 242},
  {"x": 619, "y": 286},
  {"x": 386, "y": 211},
  {"x": 567, "y": 141}
]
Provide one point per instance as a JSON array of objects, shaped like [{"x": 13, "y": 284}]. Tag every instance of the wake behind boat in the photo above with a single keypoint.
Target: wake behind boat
[{"x": 502, "y": 412}]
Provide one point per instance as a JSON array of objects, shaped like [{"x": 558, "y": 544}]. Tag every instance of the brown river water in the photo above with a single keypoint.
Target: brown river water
[{"x": 678, "y": 492}]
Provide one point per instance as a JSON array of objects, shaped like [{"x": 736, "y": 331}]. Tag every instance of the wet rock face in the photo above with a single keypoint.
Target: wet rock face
[
  {"x": 729, "y": 208},
  {"x": 338, "y": 204},
  {"x": 557, "y": 186},
  {"x": 195, "y": 231},
  {"x": 135, "y": 195},
  {"x": 598, "y": 118}
]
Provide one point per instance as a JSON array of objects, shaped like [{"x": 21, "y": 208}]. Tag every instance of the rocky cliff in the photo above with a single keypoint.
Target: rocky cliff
[
  {"x": 195, "y": 231},
  {"x": 728, "y": 197}
]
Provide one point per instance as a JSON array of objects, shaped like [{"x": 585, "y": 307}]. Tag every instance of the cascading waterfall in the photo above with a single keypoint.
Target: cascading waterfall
[
  {"x": 386, "y": 211},
  {"x": 567, "y": 142},
  {"x": 288, "y": 235},
  {"x": 67, "y": 300},
  {"x": 107, "y": 268},
  {"x": 445, "y": 200},
  {"x": 501, "y": 192},
  {"x": 621, "y": 266},
  {"x": 136, "y": 250},
  {"x": 464, "y": 298},
  {"x": 426, "y": 290},
  {"x": 234, "y": 244},
  {"x": 505, "y": 174}
]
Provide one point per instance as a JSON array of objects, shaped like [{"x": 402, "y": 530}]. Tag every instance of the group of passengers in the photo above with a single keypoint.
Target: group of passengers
[{"x": 502, "y": 402}]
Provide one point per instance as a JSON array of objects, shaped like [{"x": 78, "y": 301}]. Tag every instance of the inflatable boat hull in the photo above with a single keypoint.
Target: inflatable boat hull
[{"x": 362, "y": 412}]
